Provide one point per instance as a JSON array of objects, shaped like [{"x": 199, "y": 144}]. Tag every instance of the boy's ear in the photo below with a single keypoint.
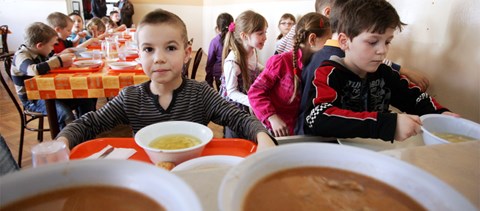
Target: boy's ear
[
  {"x": 326, "y": 11},
  {"x": 343, "y": 41},
  {"x": 188, "y": 53},
  {"x": 57, "y": 29},
  {"x": 39, "y": 45}
]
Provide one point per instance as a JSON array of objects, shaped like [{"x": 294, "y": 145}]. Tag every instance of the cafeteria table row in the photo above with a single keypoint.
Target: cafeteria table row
[{"x": 71, "y": 83}]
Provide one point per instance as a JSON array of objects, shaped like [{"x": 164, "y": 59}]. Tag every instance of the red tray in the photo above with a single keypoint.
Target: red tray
[
  {"x": 94, "y": 47},
  {"x": 218, "y": 146}
]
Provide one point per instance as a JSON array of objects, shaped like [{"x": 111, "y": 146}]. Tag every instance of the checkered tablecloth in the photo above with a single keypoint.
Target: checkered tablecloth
[{"x": 81, "y": 85}]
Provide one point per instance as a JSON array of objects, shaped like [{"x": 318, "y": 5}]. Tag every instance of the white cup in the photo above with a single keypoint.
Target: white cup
[{"x": 49, "y": 152}]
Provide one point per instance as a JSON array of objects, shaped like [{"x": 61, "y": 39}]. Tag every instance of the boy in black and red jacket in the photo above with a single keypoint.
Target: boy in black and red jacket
[{"x": 353, "y": 94}]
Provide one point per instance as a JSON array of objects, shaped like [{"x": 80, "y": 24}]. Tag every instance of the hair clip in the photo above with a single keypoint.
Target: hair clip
[
  {"x": 231, "y": 27},
  {"x": 321, "y": 23}
]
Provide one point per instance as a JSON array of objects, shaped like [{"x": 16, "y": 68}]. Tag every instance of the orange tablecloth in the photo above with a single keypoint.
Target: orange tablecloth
[
  {"x": 81, "y": 85},
  {"x": 78, "y": 85}
]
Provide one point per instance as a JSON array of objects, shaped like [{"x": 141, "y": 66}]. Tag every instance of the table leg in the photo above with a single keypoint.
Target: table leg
[{"x": 52, "y": 117}]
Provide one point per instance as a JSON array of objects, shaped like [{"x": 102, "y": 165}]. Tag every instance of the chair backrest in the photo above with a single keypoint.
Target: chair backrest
[
  {"x": 185, "y": 68},
  {"x": 4, "y": 31},
  {"x": 5, "y": 54},
  {"x": 196, "y": 62},
  {"x": 11, "y": 93}
]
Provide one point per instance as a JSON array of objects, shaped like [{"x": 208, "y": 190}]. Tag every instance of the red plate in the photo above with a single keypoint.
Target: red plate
[{"x": 218, "y": 146}]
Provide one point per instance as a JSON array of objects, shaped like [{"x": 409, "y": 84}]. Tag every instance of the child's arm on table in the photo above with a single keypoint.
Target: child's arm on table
[
  {"x": 264, "y": 141},
  {"x": 416, "y": 77}
]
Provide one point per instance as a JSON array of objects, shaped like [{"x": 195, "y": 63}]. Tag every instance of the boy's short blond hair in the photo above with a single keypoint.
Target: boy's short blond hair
[
  {"x": 160, "y": 16},
  {"x": 38, "y": 32},
  {"x": 58, "y": 19}
]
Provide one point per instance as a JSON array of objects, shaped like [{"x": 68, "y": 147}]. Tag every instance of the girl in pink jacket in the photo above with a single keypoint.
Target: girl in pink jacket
[{"x": 275, "y": 95}]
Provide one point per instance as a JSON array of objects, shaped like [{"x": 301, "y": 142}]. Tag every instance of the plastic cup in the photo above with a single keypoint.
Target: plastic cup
[
  {"x": 49, "y": 152},
  {"x": 96, "y": 55},
  {"x": 122, "y": 53}
]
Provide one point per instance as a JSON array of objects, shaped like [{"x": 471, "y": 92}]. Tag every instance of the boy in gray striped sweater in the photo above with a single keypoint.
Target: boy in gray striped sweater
[
  {"x": 163, "y": 45},
  {"x": 32, "y": 60}
]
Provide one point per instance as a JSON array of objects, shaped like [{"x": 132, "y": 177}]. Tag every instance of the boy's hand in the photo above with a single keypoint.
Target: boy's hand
[
  {"x": 64, "y": 140},
  {"x": 417, "y": 78},
  {"x": 67, "y": 59},
  {"x": 407, "y": 126},
  {"x": 67, "y": 51},
  {"x": 121, "y": 28},
  {"x": 264, "y": 141},
  {"x": 279, "y": 127},
  {"x": 82, "y": 34},
  {"x": 448, "y": 113}
]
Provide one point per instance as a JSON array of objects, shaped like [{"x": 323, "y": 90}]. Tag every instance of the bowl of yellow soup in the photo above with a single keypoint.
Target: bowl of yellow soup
[
  {"x": 443, "y": 129},
  {"x": 173, "y": 141}
]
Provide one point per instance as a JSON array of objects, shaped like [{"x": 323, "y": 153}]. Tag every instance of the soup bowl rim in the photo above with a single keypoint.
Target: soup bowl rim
[
  {"x": 144, "y": 146},
  {"x": 242, "y": 177},
  {"x": 108, "y": 172},
  {"x": 442, "y": 116}
]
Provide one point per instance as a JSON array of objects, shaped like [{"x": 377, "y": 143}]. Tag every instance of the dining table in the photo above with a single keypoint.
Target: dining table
[
  {"x": 84, "y": 82},
  {"x": 456, "y": 164}
]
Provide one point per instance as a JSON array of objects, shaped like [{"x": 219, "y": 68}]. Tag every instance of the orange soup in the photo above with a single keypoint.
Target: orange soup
[
  {"x": 323, "y": 188},
  {"x": 86, "y": 198}
]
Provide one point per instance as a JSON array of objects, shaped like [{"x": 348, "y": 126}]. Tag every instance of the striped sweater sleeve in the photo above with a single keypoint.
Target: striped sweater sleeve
[
  {"x": 285, "y": 44},
  {"x": 93, "y": 123},
  {"x": 224, "y": 113},
  {"x": 27, "y": 66},
  {"x": 138, "y": 107}
]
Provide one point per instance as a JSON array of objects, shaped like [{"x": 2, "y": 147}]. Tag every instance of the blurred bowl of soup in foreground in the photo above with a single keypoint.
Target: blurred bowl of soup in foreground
[
  {"x": 97, "y": 185},
  {"x": 320, "y": 176},
  {"x": 443, "y": 129},
  {"x": 173, "y": 141}
]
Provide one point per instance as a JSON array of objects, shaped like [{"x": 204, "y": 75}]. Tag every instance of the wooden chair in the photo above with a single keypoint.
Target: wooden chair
[
  {"x": 5, "y": 54},
  {"x": 185, "y": 68},
  {"x": 26, "y": 116},
  {"x": 196, "y": 62},
  {"x": 187, "y": 65}
]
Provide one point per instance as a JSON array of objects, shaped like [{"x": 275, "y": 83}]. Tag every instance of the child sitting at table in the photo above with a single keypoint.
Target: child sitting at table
[
  {"x": 163, "y": 45},
  {"x": 111, "y": 27},
  {"x": 32, "y": 60},
  {"x": 97, "y": 29},
  {"x": 115, "y": 16},
  {"x": 353, "y": 94},
  {"x": 63, "y": 25},
  {"x": 78, "y": 35}
]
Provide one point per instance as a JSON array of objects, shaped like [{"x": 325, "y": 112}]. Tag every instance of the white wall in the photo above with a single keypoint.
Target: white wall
[
  {"x": 18, "y": 14},
  {"x": 440, "y": 40},
  {"x": 191, "y": 15}
]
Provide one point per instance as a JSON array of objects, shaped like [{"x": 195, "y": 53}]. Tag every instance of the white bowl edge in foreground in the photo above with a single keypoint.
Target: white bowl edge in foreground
[
  {"x": 429, "y": 191},
  {"x": 160, "y": 185}
]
